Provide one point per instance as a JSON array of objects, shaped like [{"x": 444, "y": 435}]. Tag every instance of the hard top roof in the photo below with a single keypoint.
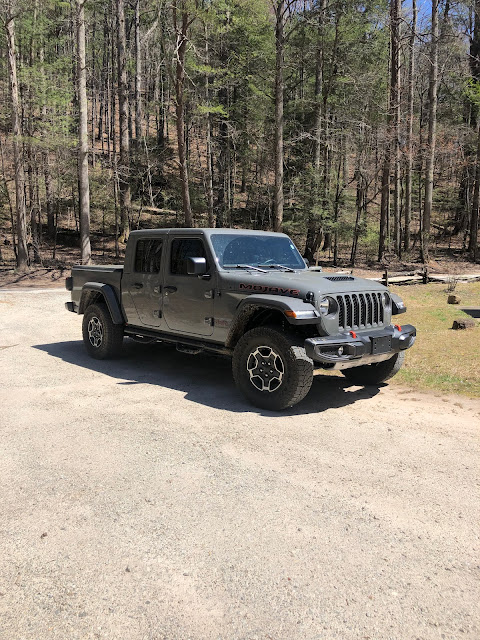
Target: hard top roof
[{"x": 201, "y": 231}]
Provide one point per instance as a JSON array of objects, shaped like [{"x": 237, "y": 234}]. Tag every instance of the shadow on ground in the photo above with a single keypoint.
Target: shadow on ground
[{"x": 205, "y": 379}]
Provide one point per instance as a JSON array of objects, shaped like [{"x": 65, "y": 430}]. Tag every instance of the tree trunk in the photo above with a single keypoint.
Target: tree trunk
[
  {"x": 409, "y": 163},
  {"x": 83, "y": 182},
  {"x": 138, "y": 78},
  {"x": 395, "y": 106},
  {"x": 10, "y": 206},
  {"x": 336, "y": 206},
  {"x": 432, "y": 129},
  {"x": 475, "y": 71},
  {"x": 18, "y": 159},
  {"x": 473, "y": 241},
  {"x": 360, "y": 204},
  {"x": 181, "y": 46},
  {"x": 384, "y": 205},
  {"x": 312, "y": 233},
  {"x": 392, "y": 139},
  {"x": 45, "y": 153},
  {"x": 124, "y": 168},
  {"x": 210, "y": 198},
  {"x": 279, "y": 91}
]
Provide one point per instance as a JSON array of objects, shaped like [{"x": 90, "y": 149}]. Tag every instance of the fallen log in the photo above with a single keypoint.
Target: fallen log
[{"x": 431, "y": 277}]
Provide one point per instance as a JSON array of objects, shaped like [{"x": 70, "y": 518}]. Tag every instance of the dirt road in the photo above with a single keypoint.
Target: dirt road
[{"x": 143, "y": 499}]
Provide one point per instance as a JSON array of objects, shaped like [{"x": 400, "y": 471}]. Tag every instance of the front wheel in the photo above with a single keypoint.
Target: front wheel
[
  {"x": 271, "y": 368},
  {"x": 376, "y": 373},
  {"x": 101, "y": 337}
]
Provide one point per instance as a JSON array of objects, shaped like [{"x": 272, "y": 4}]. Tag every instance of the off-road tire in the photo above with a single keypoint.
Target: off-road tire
[
  {"x": 297, "y": 368},
  {"x": 102, "y": 338},
  {"x": 373, "y": 374}
]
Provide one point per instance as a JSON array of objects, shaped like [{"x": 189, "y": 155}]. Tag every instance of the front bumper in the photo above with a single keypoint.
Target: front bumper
[{"x": 353, "y": 349}]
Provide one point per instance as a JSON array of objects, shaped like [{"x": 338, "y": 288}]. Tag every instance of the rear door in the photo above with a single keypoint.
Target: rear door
[
  {"x": 143, "y": 283},
  {"x": 188, "y": 299}
]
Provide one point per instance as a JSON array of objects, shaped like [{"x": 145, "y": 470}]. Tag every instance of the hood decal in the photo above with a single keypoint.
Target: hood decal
[{"x": 261, "y": 288}]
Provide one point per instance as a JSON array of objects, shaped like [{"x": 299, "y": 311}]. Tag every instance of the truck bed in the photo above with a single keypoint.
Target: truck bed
[{"x": 105, "y": 274}]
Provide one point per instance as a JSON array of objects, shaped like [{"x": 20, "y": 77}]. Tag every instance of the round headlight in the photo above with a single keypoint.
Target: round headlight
[
  {"x": 323, "y": 306},
  {"x": 326, "y": 306}
]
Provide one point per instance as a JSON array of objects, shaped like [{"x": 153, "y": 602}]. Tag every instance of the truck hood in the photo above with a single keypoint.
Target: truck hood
[{"x": 298, "y": 284}]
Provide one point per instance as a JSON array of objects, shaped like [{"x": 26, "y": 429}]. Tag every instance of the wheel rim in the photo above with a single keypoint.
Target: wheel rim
[
  {"x": 95, "y": 332},
  {"x": 265, "y": 369}
]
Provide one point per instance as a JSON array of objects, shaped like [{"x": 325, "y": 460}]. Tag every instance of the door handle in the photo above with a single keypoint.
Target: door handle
[
  {"x": 169, "y": 289},
  {"x": 137, "y": 285}
]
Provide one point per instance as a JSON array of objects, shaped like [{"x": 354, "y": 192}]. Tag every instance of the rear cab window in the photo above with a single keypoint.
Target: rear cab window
[{"x": 148, "y": 255}]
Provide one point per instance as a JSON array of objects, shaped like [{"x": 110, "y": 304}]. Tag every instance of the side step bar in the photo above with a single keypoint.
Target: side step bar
[{"x": 186, "y": 345}]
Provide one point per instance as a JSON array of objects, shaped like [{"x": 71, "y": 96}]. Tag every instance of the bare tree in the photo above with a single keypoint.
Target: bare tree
[
  {"x": 395, "y": 106},
  {"x": 314, "y": 235},
  {"x": 181, "y": 23},
  {"x": 124, "y": 168},
  {"x": 475, "y": 71},
  {"x": 432, "y": 131},
  {"x": 138, "y": 78},
  {"x": 393, "y": 119},
  {"x": 473, "y": 241},
  {"x": 18, "y": 159},
  {"x": 409, "y": 163},
  {"x": 280, "y": 8},
  {"x": 209, "y": 186},
  {"x": 83, "y": 182}
]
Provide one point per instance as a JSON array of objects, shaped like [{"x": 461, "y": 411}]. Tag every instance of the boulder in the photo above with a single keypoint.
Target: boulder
[
  {"x": 464, "y": 323},
  {"x": 453, "y": 299}
]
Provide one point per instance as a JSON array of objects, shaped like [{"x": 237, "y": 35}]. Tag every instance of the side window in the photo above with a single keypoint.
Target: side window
[
  {"x": 148, "y": 255},
  {"x": 183, "y": 248}
]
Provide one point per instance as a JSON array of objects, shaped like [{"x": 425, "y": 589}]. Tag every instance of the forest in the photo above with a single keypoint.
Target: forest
[{"x": 352, "y": 126}]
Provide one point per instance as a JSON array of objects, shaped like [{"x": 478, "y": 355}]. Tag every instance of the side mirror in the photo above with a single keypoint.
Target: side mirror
[{"x": 196, "y": 266}]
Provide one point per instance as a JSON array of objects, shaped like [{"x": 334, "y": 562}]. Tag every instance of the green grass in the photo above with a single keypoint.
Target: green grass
[{"x": 441, "y": 359}]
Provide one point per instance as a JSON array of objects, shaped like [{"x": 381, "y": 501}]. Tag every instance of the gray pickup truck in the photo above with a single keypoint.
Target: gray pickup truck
[{"x": 245, "y": 294}]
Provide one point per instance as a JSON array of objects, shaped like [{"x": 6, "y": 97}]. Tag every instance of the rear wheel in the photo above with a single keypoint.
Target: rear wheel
[
  {"x": 102, "y": 338},
  {"x": 271, "y": 368},
  {"x": 372, "y": 374}
]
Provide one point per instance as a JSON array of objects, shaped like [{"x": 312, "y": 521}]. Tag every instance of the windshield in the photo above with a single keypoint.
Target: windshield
[{"x": 243, "y": 250}]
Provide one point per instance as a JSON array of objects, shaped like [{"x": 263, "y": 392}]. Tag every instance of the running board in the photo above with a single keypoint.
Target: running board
[
  {"x": 186, "y": 345},
  {"x": 184, "y": 348}
]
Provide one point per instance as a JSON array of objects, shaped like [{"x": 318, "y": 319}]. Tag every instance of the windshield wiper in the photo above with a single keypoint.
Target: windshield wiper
[
  {"x": 243, "y": 266},
  {"x": 277, "y": 266}
]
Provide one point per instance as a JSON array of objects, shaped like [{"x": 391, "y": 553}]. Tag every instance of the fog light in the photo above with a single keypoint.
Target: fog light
[{"x": 340, "y": 351}]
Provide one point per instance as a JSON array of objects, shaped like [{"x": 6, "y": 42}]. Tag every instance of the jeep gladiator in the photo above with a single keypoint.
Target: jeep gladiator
[{"x": 245, "y": 294}]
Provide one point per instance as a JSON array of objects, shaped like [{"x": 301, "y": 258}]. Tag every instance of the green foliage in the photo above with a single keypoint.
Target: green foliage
[
  {"x": 212, "y": 109},
  {"x": 229, "y": 87}
]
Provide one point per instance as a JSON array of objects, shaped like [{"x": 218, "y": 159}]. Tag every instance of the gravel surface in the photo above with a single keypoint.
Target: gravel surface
[{"x": 143, "y": 499}]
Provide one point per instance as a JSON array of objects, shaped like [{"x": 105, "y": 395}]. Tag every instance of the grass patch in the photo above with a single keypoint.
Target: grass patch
[{"x": 441, "y": 359}]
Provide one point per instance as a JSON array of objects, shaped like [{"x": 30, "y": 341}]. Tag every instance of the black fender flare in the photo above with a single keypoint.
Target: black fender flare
[
  {"x": 398, "y": 306},
  {"x": 299, "y": 312},
  {"x": 109, "y": 296}
]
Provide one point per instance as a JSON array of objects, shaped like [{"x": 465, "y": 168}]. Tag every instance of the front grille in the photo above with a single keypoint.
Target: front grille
[{"x": 359, "y": 310}]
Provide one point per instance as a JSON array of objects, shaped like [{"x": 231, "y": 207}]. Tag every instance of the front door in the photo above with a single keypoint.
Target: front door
[
  {"x": 188, "y": 299},
  {"x": 144, "y": 283}
]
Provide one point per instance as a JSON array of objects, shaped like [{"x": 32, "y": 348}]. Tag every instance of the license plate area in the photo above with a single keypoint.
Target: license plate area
[{"x": 381, "y": 345}]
